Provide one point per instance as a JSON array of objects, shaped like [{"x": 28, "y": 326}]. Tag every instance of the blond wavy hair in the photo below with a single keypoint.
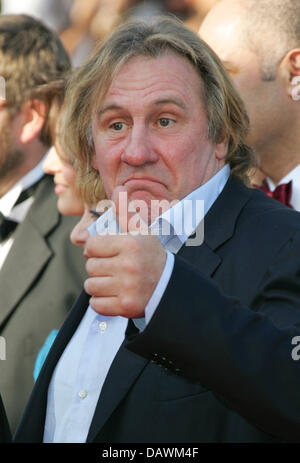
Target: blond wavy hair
[
  {"x": 53, "y": 95},
  {"x": 226, "y": 114}
]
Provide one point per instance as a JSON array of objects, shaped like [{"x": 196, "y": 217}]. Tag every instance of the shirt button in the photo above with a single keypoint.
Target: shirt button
[
  {"x": 82, "y": 394},
  {"x": 102, "y": 326}
]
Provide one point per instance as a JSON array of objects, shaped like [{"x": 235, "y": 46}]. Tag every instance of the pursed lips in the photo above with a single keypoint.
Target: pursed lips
[{"x": 142, "y": 180}]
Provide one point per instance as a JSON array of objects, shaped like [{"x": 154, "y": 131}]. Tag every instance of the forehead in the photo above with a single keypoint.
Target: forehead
[{"x": 146, "y": 79}]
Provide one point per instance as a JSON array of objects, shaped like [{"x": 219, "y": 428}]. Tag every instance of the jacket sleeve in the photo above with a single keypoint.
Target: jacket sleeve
[{"x": 246, "y": 355}]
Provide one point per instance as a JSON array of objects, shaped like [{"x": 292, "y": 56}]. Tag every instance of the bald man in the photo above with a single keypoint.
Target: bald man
[{"x": 259, "y": 44}]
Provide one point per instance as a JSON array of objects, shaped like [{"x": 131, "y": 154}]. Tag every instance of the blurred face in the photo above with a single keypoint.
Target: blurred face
[
  {"x": 150, "y": 134},
  {"x": 80, "y": 232},
  {"x": 69, "y": 202},
  {"x": 264, "y": 100}
]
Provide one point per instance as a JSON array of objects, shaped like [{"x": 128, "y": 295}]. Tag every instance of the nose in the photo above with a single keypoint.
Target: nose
[
  {"x": 52, "y": 163},
  {"x": 138, "y": 150},
  {"x": 80, "y": 233}
]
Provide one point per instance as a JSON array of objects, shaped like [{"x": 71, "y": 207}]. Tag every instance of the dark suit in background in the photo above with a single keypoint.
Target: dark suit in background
[
  {"x": 214, "y": 364},
  {"x": 39, "y": 281}
]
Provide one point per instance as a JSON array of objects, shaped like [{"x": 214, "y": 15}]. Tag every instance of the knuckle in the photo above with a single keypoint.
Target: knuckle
[
  {"x": 91, "y": 266},
  {"x": 129, "y": 266},
  {"x": 128, "y": 304},
  {"x": 132, "y": 244},
  {"x": 87, "y": 286},
  {"x": 95, "y": 303}
]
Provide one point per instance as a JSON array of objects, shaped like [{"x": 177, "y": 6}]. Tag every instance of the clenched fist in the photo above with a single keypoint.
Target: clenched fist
[{"x": 124, "y": 270}]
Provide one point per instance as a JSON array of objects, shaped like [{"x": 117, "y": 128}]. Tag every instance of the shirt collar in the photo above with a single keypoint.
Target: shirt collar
[
  {"x": 292, "y": 175},
  {"x": 184, "y": 216},
  {"x": 8, "y": 201}
]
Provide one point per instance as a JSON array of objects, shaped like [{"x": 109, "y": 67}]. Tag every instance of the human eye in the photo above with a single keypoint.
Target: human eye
[
  {"x": 165, "y": 121},
  {"x": 117, "y": 126}
]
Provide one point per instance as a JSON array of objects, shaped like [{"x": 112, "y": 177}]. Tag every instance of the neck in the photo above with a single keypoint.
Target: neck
[
  {"x": 280, "y": 158},
  {"x": 7, "y": 182}
]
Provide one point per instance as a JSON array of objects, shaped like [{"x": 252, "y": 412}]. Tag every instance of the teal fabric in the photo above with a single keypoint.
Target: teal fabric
[{"x": 41, "y": 357}]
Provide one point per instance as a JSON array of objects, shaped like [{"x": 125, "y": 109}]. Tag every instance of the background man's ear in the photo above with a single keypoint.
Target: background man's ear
[
  {"x": 33, "y": 118},
  {"x": 292, "y": 63}
]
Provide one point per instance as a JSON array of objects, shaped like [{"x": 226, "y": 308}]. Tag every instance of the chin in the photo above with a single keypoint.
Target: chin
[
  {"x": 69, "y": 208},
  {"x": 151, "y": 211}
]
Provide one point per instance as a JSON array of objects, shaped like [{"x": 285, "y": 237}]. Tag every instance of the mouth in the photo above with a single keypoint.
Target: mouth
[
  {"x": 141, "y": 182},
  {"x": 60, "y": 188}
]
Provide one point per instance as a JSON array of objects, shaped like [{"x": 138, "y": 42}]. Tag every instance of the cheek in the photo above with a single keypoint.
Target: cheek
[
  {"x": 108, "y": 162},
  {"x": 69, "y": 203},
  {"x": 69, "y": 174}
]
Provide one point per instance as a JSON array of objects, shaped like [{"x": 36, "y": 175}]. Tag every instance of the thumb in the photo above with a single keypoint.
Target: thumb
[{"x": 129, "y": 213}]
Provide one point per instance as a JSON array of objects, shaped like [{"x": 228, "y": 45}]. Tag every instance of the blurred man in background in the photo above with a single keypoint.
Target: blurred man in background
[
  {"x": 259, "y": 44},
  {"x": 41, "y": 273}
]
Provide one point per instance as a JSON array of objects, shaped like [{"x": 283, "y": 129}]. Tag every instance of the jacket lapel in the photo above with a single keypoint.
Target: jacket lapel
[
  {"x": 123, "y": 372},
  {"x": 30, "y": 252},
  {"x": 219, "y": 226}
]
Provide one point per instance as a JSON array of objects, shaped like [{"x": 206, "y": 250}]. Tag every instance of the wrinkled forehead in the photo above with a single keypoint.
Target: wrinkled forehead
[{"x": 167, "y": 73}]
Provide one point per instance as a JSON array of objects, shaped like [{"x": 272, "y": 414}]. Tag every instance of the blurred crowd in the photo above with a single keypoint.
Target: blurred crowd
[{"x": 82, "y": 23}]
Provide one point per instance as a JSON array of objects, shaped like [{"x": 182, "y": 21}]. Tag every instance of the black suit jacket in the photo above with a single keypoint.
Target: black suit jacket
[
  {"x": 214, "y": 364},
  {"x": 41, "y": 278}
]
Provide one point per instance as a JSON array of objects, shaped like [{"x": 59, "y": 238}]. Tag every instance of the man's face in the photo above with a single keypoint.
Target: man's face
[
  {"x": 150, "y": 133},
  {"x": 10, "y": 156},
  {"x": 264, "y": 100}
]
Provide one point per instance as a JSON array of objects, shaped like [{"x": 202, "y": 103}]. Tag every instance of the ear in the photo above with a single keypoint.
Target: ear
[
  {"x": 33, "y": 118},
  {"x": 291, "y": 63},
  {"x": 221, "y": 148}
]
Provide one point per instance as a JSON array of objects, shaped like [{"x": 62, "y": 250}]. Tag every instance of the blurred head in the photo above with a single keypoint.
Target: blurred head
[
  {"x": 80, "y": 232},
  {"x": 30, "y": 55},
  {"x": 259, "y": 44},
  {"x": 59, "y": 163},
  {"x": 69, "y": 201},
  {"x": 160, "y": 53}
]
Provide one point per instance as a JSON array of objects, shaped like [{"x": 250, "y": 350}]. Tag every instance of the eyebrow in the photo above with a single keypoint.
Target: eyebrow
[
  {"x": 107, "y": 108},
  {"x": 115, "y": 107},
  {"x": 174, "y": 101}
]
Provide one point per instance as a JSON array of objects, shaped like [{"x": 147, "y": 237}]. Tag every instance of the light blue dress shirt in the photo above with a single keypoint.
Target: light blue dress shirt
[{"x": 79, "y": 375}]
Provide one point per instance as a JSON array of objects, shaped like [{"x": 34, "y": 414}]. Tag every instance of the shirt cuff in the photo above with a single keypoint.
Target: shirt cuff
[{"x": 160, "y": 287}]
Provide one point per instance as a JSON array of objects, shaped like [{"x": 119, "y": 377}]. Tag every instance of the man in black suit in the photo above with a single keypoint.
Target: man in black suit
[
  {"x": 40, "y": 271},
  {"x": 183, "y": 340}
]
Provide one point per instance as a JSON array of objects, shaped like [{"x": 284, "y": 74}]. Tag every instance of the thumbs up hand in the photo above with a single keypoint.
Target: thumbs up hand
[{"x": 124, "y": 269}]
